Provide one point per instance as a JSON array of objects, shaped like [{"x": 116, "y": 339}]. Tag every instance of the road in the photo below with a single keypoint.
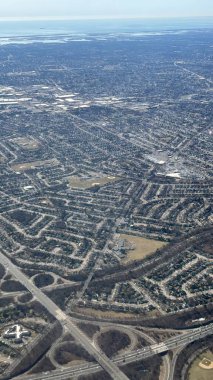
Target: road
[
  {"x": 168, "y": 344},
  {"x": 167, "y": 367},
  {"x": 173, "y": 363},
  {"x": 65, "y": 320},
  {"x": 148, "y": 351}
]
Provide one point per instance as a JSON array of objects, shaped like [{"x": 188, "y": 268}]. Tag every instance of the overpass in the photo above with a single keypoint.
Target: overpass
[
  {"x": 109, "y": 366},
  {"x": 131, "y": 357}
]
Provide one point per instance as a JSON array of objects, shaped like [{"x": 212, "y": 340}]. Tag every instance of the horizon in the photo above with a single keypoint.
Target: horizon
[
  {"x": 104, "y": 9},
  {"x": 101, "y": 18}
]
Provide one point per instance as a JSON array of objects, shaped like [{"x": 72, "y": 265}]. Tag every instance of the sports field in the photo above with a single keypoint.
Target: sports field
[
  {"x": 26, "y": 143},
  {"x": 32, "y": 165},
  {"x": 86, "y": 183},
  {"x": 202, "y": 367}
]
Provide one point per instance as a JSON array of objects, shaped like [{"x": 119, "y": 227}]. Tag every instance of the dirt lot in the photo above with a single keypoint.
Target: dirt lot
[
  {"x": 86, "y": 183},
  {"x": 31, "y": 165},
  {"x": 142, "y": 247},
  {"x": 198, "y": 373}
]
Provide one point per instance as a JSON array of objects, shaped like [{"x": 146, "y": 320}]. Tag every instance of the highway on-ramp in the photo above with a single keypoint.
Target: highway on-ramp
[
  {"x": 110, "y": 366},
  {"x": 169, "y": 344},
  {"x": 175, "y": 342}
]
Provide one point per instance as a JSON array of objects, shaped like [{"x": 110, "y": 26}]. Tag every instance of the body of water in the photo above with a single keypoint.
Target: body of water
[{"x": 81, "y": 27}]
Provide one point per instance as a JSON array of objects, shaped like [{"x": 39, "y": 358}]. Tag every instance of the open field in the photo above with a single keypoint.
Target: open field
[
  {"x": 86, "y": 183},
  {"x": 141, "y": 247},
  {"x": 26, "y": 143},
  {"x": 202, "y": 367},
  {"x": 105, "y": 314},
  {"x": 32, "y": 165}
]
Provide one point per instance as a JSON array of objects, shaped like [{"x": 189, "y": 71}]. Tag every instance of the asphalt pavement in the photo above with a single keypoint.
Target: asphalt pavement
[
  {"x": 173, "y": 343},
  {"x": 110, "y": 367}
]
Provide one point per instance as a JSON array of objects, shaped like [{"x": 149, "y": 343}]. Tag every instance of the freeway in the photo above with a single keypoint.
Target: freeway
[
  {"x": 148, "y": 351},
  {"x": 63, "y": 373},
  {"x": 168, "y": 344},
  {"x": 65, "y": 320}
]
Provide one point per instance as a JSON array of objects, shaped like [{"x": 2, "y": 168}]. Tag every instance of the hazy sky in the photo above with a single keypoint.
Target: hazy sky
[{"x": 104, "y": 8}]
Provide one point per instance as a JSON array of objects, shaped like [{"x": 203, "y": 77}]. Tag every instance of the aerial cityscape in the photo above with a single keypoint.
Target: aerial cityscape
[{"x": 106, "y": 216}]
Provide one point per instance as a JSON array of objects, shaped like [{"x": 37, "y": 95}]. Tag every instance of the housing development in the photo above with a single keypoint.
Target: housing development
[{"x": 106, "y": 218}]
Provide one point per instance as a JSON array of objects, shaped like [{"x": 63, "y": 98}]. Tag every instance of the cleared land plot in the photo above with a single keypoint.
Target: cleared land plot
[
  {"x": 86, "y": 183},
  {"x": 105, "y": 314},
  {"x": 26, "y": 143},
  {"x": 141, "y": 247},
  {"x": 32, "y": 165},
  {"x": 204, "y": 360}
]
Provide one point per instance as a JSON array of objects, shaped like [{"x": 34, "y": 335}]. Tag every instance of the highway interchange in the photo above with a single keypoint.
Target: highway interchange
[
  {"x": 65, "y": 320},
  {"x": 110, "y": 366},
  {"x": 96, "y": 148},
  {"x": 172, "y": 343}
]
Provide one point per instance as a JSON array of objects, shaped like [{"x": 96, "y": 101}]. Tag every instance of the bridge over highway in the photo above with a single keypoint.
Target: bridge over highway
[
  {"x": 134, "y": 356},
  {"x": 108, "y": 365}
]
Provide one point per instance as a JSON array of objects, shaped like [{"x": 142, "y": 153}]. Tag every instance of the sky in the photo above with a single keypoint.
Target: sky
[{"x": 90, "y": 9}]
